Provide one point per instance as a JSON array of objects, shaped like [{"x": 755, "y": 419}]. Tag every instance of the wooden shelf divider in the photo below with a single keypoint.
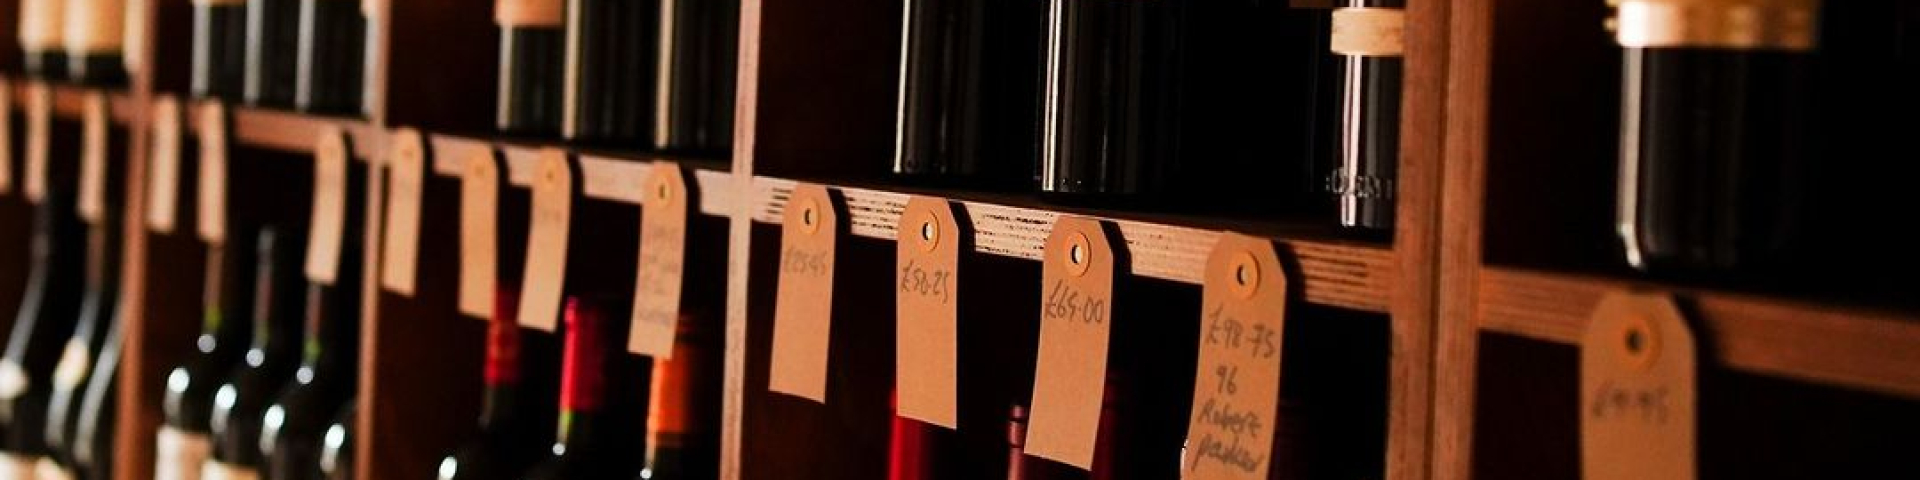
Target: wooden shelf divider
[
  {"x": 1342, "y": 275},
  {"x": 1849, "y": 347},
  {"x": 69, "y": 100}
]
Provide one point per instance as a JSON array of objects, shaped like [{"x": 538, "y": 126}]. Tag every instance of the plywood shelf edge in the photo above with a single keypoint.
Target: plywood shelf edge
[
  {"x": 1849, "y": 347},
  {"x": 604, "y": 178},
  {"x": 1334, "y": 274}
]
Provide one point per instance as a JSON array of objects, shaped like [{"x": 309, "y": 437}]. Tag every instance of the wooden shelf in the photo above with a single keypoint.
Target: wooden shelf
[
  {"x": 602, "y": 177},
  {"x": 294, "y": 131},
  {"x": 1336, "y": 274},
  {"x": 68, "y": 101},
  {"x": 1857, "y": 348}
]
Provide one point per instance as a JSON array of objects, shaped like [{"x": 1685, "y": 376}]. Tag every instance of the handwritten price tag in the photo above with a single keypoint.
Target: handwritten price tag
[
  {"x": 803, "y": 310},
  {"x": 1236, "y": 389},
  {"x": 328, "y": 220},
  {"x": 212, "y": 199},
  {"x": 479, "y": 233},
  {"x": 1637, "y": 391},
  {"x": 6, "y": 136},
  {"x": 92, "y": 206},
  {"x": 546, "y": 268},
  {"x": 663, "y": 253},
  {"x": 407, "y": 169},
  {"x": 39, "y": 139},
  {"x": 163, "y": 166},
  {"x": 926, "y": 314},
  {"x": 1077, "y": 275}
]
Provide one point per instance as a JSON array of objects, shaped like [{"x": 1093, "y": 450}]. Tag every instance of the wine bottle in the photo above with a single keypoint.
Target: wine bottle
[
  {"x": 912, "y": 450},
  {"x": 683, "y": 414},
  {"x": 93, "y": 448},
  {"x": 268, "y": 362},
  {"x": 273, "y": 51},
  {"x": 292, "y": 430},
  {"x": 40, "y": 331},
  {"x": 184, "y": 440},
  {"x": 1017, "y": 442},
  {"x": 967, "y": 96},
  {"x": 336, "y": 451},
  {"x": 514, "y": 427},
  {"x": 1111, "y": 98},
  {"x": 94, "y": 39},
  {"x": 532, "y": 61},
  {"x": 610, "y": 72},
  {"x": 1713, "y": 133},
  {"x": 1367, "y": 46},
  {"x": 694, "y": 110},
  {"x": 42, "y": 25},
  {"x": 330, "y": 56},
  {"x": 70, "y": 373},
  {"x": 219, "y": 49},
  {"x": 599, "y": 428}
]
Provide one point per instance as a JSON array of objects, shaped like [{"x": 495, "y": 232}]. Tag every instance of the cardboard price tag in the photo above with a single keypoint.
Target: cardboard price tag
[
  {"x": 39, "y": 139},
  {"x": 926, "y": 284},
  {"x": 6, "y": 136},
  {"x": 1637, "y": 391},
  {"x": 1075, "y": 323},
  {"x": 92, "y": 204},
  {"x": 1236, "y": 389},
  {"x": 212, "y": 198},
  {"x": 328, "y": 220},
  {"x": 803, "y": 310},
  {"x": 546, "y": 267},
  {"x": 480, "y": 185},
  {"x": 663, "y": 253},
  {"x": 163, "y": 166},
  {"x": 406, "y": 171}
]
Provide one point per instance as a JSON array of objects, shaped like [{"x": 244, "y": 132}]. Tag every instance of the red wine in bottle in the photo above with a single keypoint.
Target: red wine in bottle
[
  {"x": 52, "y": 299},
  {"x": 1367, "y": 153},
  {"x": 267, "y": 363},
  {"x": 42, "y": 26},
  {"x": 273, "y": 52},
  {"x": 697, "y": 57},
  {"x": 967, "y": 96},
  {"x": 219, "y": 49},
  {"x": 683, "y": 416},
  {"x": 331, "y": 46},
  {"x": 77, "y": 355},
  {"x": 532, "y": 60},
  {"x": 1110, "y": 99},
  {"x": 913, "y": 450},
  {"x": 610, "y": 72},
  {"x": 1713, "y": 133},
  {"x": 336, "y": 450},
  {"x": 93, "y": 448},
  {"x": 514, "y": 425},
  {"x": 95, "y": 42},
  {"x": 184, "y": 441},
  {"x": 600, "y": 417},
  {"x": 293, "y": 427}
]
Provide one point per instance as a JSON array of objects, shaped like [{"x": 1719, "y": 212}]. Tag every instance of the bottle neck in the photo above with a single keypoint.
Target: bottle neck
[
  {"x": 582, "y": 377},
  {"x": 503, "y": 362},
  {"x": 275, "y": 326},
  {"x": 332, "y": 330}
]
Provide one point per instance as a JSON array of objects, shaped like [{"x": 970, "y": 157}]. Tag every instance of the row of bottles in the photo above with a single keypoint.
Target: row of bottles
[
  {"x": 59, "y": 370},
  {"x": 78, "y": 40},
  {"x": 1155, "y": 103},
  {"x": 654, "y": 74},
  {"x": 306, "y": 54}
]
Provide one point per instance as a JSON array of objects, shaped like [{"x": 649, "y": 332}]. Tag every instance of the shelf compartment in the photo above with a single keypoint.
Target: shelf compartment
[
  {"x": 1858, "y": 348},
  {"x": 1350, "y": 275},
  {"x": 602, "y": 177}
]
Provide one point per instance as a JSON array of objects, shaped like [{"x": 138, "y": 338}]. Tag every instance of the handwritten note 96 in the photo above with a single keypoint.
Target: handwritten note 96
[{"x": 1236, "y": 391}]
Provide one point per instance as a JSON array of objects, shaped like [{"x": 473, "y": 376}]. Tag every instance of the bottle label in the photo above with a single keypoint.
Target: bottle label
[
  {"x": 40, "y": 24},
  {"x": 1368, "y": 32},
  {"x": 47, "y": 469},
  {"x": 528, "y": 13},
  {"x": 213, "y": 470},
  {"x": 73, "y": 366},
  {"x": 1342, "y": 184},
  {"x": 1730, "y": 24},
  {"x": 179, "y": 455},
  {"x": 95, "y": 27},
  {"x": 13, "y": 381}
]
